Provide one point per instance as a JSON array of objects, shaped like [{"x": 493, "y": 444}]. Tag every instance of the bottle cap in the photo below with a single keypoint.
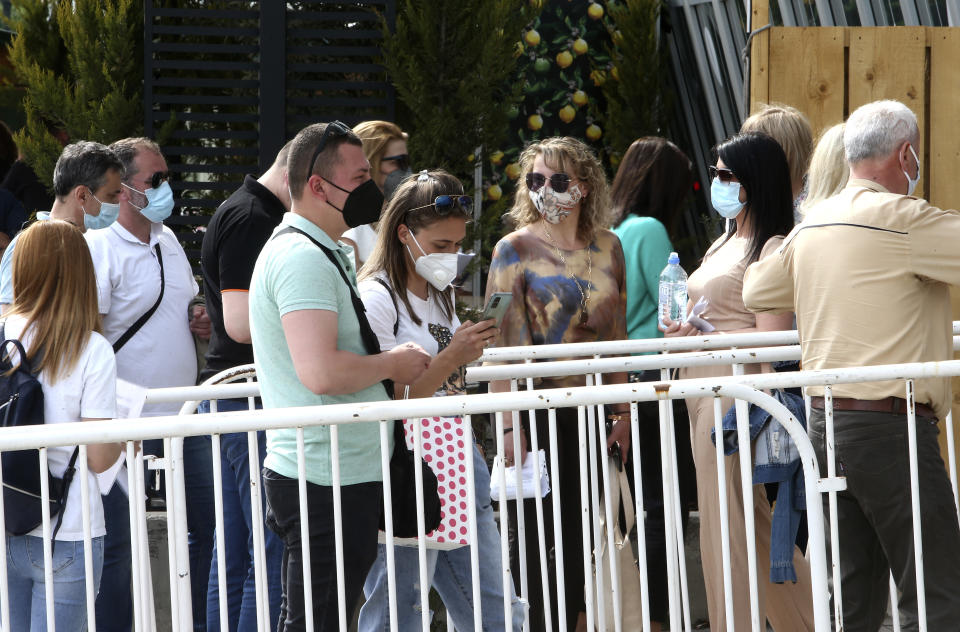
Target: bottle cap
[{"x": 674, "y": 258}]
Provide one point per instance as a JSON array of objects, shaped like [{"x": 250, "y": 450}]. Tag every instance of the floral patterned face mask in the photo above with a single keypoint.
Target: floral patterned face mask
[{"x": 555, "y": 207}]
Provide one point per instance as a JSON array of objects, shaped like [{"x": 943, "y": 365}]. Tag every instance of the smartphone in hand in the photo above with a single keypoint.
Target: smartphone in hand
[{"x": 497, "y": 307}]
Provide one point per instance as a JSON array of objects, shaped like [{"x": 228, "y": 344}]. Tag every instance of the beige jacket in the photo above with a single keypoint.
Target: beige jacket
[{"x": 867, "y": 273}]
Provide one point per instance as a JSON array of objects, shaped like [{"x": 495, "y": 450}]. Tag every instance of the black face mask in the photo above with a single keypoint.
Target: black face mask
[
  {"x": 393, "y": 180},
  {"x": 363, "y": 204}
]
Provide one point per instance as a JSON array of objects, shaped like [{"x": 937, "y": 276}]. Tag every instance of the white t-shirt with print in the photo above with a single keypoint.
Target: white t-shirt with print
[
  {"x": 433, "y": 333},
  {"x": 89, "y": 391}
]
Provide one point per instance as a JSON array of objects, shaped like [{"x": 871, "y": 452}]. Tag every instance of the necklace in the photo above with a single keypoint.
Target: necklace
[{"x": 584, "y": 293}]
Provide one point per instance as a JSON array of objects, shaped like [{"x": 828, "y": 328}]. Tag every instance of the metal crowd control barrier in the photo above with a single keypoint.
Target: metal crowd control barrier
[
  {"x": 586, "y": 399},
  {"x": 710, "y": 350}
]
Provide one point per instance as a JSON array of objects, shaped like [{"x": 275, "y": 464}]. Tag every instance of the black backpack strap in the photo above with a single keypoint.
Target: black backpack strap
[
  {"x": 367, "y": 334},
  {"x": 396, "y": 307},
  {"x": 67, "y": 479},
  {"x": 5, "y": 361},
  {"x": 135, "y": 327}
]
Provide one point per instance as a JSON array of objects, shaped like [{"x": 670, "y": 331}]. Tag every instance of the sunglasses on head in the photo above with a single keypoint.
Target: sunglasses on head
[
  {"x": 444, "y": 203},
  {"x": 559, "y": 182},
  {"x": 724, "y": 175},
  {"x": 402, "y": 160},
  {"x": 159, "y": 178},
  {"x": 336, "y": 129}
]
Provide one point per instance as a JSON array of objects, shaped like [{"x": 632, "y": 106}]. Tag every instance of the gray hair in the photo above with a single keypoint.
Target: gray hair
[
  {"x": 127, "y": 150},
  {"x": 83, "y": 163},
  {"x": 876, "y": 129}
]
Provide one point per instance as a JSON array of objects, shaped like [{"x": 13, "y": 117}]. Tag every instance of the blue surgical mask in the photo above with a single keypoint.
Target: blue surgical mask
[
  {"x": 725, "y": 197},
  {"x": 159, "y": 203},
  {"x": 108, "y": 215},
  {"x": 912, "y": 182}
]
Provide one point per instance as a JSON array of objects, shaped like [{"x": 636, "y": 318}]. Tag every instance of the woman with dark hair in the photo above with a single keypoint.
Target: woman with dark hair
[
  {"x": 751, "y": 187},
  {"x": 652, "y": 183},
  {"x": 651, "y": 186},
  {"x": 653, "y": 180}
]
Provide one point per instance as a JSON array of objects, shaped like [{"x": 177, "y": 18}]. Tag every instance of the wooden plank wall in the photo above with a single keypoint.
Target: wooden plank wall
[{"x": 827, "y": 72}]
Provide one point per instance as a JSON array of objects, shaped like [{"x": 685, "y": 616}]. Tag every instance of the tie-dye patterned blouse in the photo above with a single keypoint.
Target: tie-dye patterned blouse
[{"x": 546, "y": 302}]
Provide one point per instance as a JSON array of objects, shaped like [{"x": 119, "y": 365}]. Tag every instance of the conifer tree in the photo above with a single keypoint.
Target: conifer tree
[
  {"x": 81, "y": 64},
  {"x": 638, "y": 100},
  {"x": 452, "y": 63}
]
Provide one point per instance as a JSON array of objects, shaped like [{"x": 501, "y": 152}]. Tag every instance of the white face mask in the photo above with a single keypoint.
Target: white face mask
[
  {"x": 555, "y": 207},
  {"x": 439, "y": 269},
  {"x": 912, "y": 182}
]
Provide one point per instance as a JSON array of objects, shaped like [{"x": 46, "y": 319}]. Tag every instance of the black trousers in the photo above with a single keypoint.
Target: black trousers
[
  {"x": 361, "y": 506},
  {"x": 570, "y": 521},
  {"x": 876, "y": 522},
  {"x": 650, "y": 468},
  {"x": 569, "y": 479}
]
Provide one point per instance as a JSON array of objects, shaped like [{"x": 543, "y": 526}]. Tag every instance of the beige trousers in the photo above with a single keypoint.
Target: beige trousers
[{"x": 788, "y": 607}]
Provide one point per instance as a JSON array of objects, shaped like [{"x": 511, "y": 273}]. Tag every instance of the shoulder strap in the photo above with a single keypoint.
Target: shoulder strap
[
  {"x": 64, "y": 491},
  {"x": 135, "y": 327},
  {"x": 369, "y": 338},
  {"x": 396, "y": 307},
  {"x": 6, "y": 363}
]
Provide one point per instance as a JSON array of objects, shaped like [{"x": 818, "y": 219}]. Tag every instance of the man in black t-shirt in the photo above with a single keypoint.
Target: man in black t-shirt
[{"x": 234, "y": 237}]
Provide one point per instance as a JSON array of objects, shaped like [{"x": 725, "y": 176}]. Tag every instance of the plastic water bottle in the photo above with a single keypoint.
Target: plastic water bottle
[{"x": 673, "y": 291}]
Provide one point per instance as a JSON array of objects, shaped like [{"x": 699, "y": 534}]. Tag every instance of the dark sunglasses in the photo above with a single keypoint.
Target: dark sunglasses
[
  {"x": 444, "y": 203},
  {"x": 336, "y": 129},
  {"x": 559, "y": 182},
  {"x": 159, "y": 178},
  {"x": 725, "y": 175},
  {"x": 402, "y": 160}
]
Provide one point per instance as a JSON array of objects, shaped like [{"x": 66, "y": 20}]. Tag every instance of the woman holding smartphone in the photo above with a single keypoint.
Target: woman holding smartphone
[
  {"x": 568, "y": 279},
  {"x": 405, "y": 287}
]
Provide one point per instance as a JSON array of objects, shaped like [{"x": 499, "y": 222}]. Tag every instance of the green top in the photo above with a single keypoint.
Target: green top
[
  {"x": 293, "y": 274},
  {"x": 646, "y": 247}
]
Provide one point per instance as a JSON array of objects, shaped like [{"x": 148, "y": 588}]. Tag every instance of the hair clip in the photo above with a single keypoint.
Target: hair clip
[{"x": 423, "y": 177}]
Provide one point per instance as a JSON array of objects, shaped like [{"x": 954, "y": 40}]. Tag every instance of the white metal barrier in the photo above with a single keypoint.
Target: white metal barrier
[{"x": 591, "y": 433}]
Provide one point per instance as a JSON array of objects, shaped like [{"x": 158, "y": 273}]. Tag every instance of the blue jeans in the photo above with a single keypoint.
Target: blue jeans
[
  {"x": 450, "y": 574},
  {"x": 198, "y": 474},
  {"x": 238, "y": 535},
  {"x": 28, "y": 606},
  {"x": 115, "y": 599}
]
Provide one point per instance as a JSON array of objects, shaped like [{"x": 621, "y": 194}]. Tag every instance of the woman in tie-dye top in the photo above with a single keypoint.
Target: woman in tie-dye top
[{"x": 567, "y": 276}]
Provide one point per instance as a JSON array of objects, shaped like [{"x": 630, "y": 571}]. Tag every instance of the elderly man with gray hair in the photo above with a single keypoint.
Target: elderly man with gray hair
[{"x": 868, "y": 274}]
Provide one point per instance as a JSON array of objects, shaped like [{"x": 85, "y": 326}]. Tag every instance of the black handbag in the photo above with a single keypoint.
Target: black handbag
[
  {"x": 402, "y": 462},
  {"x": 404, "y": 491}
]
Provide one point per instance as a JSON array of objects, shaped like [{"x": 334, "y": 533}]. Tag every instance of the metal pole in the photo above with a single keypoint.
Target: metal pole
[{"x": 477, "y": 281}]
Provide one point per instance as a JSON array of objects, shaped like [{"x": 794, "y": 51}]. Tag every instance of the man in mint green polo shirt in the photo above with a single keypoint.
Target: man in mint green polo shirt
[{"x": 308, "y": 350}]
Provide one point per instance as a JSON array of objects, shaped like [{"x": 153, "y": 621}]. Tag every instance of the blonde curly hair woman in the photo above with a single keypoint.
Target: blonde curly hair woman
[{"x": 566, "y": 272}]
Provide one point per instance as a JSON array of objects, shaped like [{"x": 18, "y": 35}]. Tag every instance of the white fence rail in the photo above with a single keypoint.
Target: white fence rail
[{"x": 591, "y": 432}]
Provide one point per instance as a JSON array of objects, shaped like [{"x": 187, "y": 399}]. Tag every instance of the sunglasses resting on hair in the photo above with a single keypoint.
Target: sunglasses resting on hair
[{"x": 444, "y": 203}]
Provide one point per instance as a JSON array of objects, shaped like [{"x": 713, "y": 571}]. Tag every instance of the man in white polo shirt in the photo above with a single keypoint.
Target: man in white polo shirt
[{"x": 145, "y": 285}]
